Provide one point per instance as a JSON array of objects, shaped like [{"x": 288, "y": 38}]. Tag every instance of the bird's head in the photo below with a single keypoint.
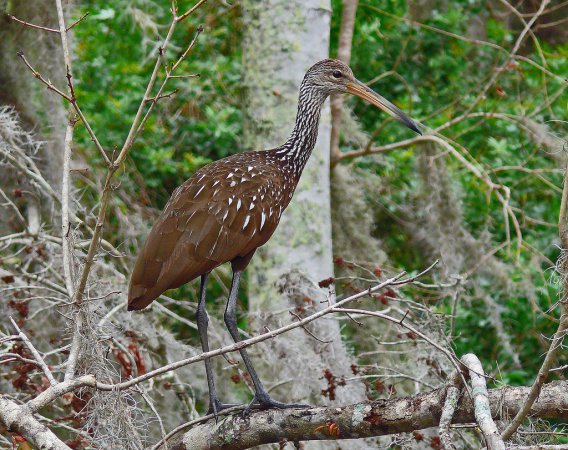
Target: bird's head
[{"x": 332, "y": 76}]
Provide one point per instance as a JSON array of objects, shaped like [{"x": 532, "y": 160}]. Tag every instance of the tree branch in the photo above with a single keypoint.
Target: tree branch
[
  {"x": 137, "y": 122},
  {"x": 31, "y": 25},
  {"x": 482, "y": 408},
  {"x": 19, "y": 419},
  {"x": 448, "y": 410},
  {"x": 366, "y": 419}
]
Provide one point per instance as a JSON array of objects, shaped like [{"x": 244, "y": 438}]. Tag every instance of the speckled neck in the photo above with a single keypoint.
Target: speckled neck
[{"x": 297, "y": 149}]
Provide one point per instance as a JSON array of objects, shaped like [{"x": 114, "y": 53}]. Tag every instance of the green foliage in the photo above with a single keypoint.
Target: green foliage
[
  {"x": 116, "y": 50},
  {"x": 434, "y": 70}
]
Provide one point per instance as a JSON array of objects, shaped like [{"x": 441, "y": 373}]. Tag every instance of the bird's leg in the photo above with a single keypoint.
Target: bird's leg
[
  {"x": 261, "y": 396},
  {"x": 215, "y": 406}
]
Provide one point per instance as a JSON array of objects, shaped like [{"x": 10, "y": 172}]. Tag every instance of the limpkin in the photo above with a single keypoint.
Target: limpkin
[{"x": 232, "y": 206}]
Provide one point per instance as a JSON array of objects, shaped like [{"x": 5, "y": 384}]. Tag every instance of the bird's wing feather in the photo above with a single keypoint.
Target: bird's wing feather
[{"x": 224, "y": 211}]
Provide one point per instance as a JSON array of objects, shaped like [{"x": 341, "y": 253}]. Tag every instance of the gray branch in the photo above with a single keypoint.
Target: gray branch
[
  {"x": 366, "y": 419},
  {"x": 483, "y": 411},
  {"x": 19, "y": 419}
]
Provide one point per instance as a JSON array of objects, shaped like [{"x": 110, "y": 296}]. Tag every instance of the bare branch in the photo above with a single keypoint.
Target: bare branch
[
  {"x": 54, "y": 392},
  {"x": 51, "y": 30},
  {"x": 159, "y": 97},
  {"x": 187, "y": 50},
  {"x": 31, "y": 25},
  {"x": 70, "y": 99},
  {"x": 70, "y": 384},
  {"x": 297, "y": 317},
  {"x": 472, "y": 41},
  {"x": 540, "y": 447},
  {"x": 67, "y": 244},
  {"x": 482, "y": 407},
  {"x": 253, "y": 340},
  {"x": 451, "y": 357},
  {"x": 560, "y": 333},
  {"x": 136, "y": 127},
  {"x": 190, "y": 75},
  {"x": 79, "y": 20},
  {"x": 12, "y": 205},
  {"x": 148, "y": 400},
  {"x": 40, "y": 77},
  {"x": 169, "y": 73},
  {"x": 190, "y": 11}
]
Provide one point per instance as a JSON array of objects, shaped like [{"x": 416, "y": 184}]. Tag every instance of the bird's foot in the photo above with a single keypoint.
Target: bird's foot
[
  {"x": 215, "y": 407},
  {"x": 262, "y": 402}
]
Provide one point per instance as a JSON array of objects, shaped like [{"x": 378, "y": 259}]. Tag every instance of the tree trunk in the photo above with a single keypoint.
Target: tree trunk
[{"x": 282, "y": 40}]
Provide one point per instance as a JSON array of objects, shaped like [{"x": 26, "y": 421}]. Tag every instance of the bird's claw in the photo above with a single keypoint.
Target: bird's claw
[{"x": 266, "y": 402}]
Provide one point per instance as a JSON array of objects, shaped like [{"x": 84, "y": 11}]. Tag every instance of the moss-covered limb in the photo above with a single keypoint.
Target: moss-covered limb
[
  {"x": 366, "y": 419},
  {"x": 19, "y": 419},
  {"x": 452, "y": 397},
  {"x": 482, "y": 411}
]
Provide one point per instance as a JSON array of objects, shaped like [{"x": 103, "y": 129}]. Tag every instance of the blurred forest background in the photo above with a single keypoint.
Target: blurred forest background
[{"x": 484, "y": 199}]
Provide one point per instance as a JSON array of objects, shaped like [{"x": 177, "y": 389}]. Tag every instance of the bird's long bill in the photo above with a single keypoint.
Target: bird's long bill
[{"x": 362, "y": 91}]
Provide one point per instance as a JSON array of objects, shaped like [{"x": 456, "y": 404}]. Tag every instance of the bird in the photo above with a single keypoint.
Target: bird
[{"x": 231, "y": 207}]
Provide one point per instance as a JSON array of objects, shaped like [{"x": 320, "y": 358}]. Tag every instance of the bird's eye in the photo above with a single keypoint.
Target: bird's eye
[{"x": 337, "y": 74}]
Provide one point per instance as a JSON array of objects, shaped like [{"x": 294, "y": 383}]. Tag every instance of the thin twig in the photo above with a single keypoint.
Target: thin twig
[
  {"x": 471, "y": 41},
  {"x": 451, "y": 357},
  {"x": 79, "y": 20},
  {"x": 190, "y": 75},
  {"x": 161, "y": 96},
  {"x": 35, "y": 354},
  {"x": 308, "y": 331},
  {"x": 40, "y": 77},
  {"x": 160, "y": 421},
  {"x": 31, "y": 25},
  {"x": 71, "y": 100},
  {"x": 191, "y": 11},
  {"x": 14, "y": 207}
]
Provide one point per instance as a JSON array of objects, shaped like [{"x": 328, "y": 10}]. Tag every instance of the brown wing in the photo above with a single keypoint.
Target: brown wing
[{"x": 226, "y": 210}]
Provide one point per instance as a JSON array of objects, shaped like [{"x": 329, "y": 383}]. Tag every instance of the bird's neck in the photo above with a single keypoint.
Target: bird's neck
[{"x": 298, "y": 148}]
